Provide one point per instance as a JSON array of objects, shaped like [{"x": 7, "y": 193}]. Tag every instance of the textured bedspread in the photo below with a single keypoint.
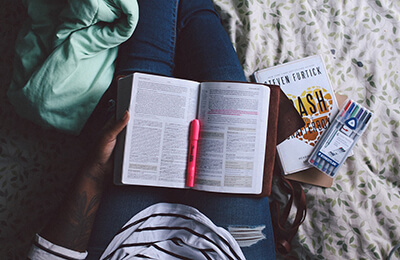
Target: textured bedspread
[{"x": 357, "y": 218}]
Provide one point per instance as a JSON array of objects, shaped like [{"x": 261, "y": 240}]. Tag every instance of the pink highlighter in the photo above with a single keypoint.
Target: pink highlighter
[{"x": 192, "y": 155}]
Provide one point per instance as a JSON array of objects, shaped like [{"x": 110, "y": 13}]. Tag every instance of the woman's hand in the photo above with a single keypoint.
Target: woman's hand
[
  {"x": 101, "y": 160},
  {"x": 72, "y": 224}
]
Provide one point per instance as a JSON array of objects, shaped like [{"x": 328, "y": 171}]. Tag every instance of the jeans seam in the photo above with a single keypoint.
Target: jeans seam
[{"x": 174, "y": 36}]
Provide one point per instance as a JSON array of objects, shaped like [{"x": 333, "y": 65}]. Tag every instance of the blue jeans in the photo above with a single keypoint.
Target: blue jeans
[{"x": 183, "y": 39}]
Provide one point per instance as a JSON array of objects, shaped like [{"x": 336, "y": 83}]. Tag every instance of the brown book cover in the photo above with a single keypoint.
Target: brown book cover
[{"x": 283, "y": 121}]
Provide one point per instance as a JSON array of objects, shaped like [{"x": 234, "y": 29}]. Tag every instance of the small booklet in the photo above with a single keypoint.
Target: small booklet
[
  {"x": 153, "y": 149},
  {"x": 306, "y": 82}
]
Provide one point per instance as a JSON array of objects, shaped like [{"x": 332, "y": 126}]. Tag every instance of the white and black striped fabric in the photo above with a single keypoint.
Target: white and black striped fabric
[
  {"x": 172, "y": 231},
  {"x": 163, "y": 231},
  {"x": 43, "y": 249}
]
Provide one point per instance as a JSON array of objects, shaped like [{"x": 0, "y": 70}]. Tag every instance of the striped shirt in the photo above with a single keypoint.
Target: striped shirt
[{"x": 167, "y": 231}]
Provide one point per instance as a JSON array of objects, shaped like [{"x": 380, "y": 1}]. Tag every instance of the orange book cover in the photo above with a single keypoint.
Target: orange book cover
[{"x": 306, "y": 83}]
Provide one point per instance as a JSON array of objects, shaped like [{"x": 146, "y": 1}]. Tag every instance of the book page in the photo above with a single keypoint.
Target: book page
[
  {"x": 157, "y": 135},
  {"x": 233, "y": 135}
]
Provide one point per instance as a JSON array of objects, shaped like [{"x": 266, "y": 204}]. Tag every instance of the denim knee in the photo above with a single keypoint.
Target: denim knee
[{"x": 189, "y": 9}]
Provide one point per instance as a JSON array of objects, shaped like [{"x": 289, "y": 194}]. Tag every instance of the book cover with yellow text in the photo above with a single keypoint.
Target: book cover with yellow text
[{"x": 306, "y": 83}]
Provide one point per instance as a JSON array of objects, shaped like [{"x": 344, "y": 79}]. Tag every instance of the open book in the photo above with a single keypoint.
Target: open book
[{"x": 153, "y": 150}]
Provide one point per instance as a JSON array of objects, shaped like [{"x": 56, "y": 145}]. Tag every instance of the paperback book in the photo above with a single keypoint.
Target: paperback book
[{"x": 306, "y": 83}]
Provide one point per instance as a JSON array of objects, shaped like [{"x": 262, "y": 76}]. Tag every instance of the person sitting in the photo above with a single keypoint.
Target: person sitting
[{"x": 180, "y": 38}]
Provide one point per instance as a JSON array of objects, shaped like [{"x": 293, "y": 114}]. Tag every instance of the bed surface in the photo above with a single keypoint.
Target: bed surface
[{"x": 357, "y": 218}]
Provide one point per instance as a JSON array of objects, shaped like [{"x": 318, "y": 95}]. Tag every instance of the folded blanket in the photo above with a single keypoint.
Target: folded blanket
[{"x": 65, "y": 58}]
